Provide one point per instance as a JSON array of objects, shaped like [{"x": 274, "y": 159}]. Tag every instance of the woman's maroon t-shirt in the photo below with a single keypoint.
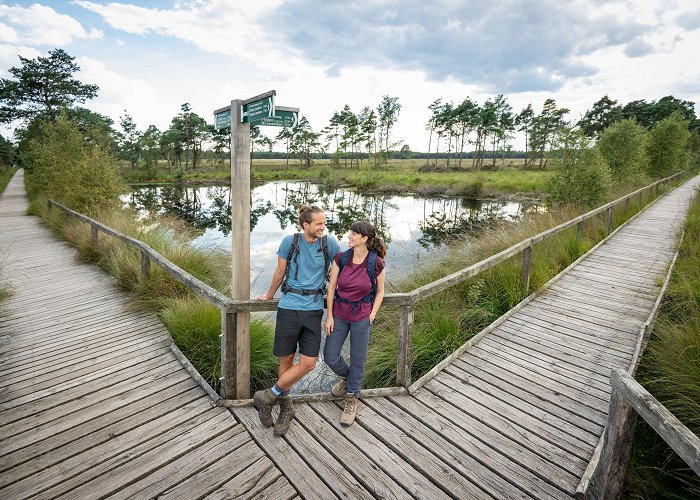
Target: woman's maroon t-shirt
[{"x": 353, "y": 284}]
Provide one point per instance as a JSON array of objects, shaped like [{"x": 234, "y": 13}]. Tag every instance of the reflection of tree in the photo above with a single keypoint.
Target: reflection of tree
[
  {"x": 451, "y": 221},
  {"x": 203, "y": 208}
]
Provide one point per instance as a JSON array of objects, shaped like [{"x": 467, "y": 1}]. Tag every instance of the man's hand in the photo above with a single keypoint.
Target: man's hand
[{"x": 263, "y": 297}]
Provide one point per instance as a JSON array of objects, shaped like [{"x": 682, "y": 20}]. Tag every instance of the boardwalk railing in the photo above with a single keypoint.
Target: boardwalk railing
[
  {"x": 629, "y": 399},
  {"x": 235, "y": 364}
]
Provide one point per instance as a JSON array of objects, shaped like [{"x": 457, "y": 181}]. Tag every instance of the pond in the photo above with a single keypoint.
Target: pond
[{"x": 415, "y": 228}]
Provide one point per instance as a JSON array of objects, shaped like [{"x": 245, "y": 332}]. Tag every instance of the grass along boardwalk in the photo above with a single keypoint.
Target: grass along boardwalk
[
  {"x": 95, "y": 405},
  {"x": 93, "y": 402}
]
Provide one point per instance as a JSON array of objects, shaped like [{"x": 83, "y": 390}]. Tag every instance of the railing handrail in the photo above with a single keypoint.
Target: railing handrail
[{"x": 197, "y": 286}]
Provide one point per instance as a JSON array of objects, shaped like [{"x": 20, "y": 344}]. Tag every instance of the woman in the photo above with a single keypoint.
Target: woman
[{"x": 355, "y": 292}]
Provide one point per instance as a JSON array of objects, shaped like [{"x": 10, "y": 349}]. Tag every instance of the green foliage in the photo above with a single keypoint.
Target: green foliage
[
  {"x": 581, "y": 176},
  {"x": 668, "y": 146},
  {"x": 67, "y": 168},
  {"x": 604, "y": 113},
  {"x": 623, "y": 145},
  {"x": 42, "y": 86}
]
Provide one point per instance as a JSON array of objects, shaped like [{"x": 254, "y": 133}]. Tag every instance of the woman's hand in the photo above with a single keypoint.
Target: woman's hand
[
  {"x": 371, "y": 318},
  {"x": 328, "y": 327}
]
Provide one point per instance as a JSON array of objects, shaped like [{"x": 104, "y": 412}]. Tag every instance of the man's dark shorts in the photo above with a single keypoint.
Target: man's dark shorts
[{"x": 302, "y": 327}]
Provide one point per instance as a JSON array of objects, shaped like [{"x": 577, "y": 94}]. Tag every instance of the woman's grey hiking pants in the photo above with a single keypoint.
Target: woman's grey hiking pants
[{"x": 354, "y": 373}]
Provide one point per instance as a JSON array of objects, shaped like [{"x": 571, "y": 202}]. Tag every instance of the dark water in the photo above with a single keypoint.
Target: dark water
[{"x": 415, "y": 228}]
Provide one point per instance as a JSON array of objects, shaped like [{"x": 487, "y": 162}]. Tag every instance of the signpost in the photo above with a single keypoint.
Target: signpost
[{"x": 235, "y": 326}]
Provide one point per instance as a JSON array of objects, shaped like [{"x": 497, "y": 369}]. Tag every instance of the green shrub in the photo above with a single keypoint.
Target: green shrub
[
  {"x": 623, "y": 145},
  {"x": 64, "y": 166},
  {"x": 668, "y": 147},
  {"x": 581, "y": 177}
]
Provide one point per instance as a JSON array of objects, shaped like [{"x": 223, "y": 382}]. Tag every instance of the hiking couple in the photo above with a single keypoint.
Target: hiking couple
[{"x": 355, "y": 292}]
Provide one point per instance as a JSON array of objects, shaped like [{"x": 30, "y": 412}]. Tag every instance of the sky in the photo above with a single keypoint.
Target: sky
[{"x": 148, "y": 58}]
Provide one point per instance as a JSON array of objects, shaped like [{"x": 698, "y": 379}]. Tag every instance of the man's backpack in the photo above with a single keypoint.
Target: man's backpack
[
  {"x": 293, "y": 254},
  {"x": 371, "y": 271}
]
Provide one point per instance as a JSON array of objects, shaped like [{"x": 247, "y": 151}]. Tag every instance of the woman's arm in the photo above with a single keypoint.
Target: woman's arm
[
  {"x": 379, "y": 297},
  {"x": 332, "y": 284}
]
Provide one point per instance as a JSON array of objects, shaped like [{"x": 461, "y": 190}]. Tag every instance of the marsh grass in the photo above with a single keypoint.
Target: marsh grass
[
  {"x": 670, "y": 370},
  {"x": 447, "y": 320},
  {"x": 6, "y": 175}
]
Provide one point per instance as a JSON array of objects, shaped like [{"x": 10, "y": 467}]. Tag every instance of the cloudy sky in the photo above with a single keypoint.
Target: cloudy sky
[{"x": 150, "y": 57}]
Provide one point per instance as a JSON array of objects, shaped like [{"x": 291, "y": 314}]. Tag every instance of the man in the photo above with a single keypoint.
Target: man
[{"x": 302, "y": 264}]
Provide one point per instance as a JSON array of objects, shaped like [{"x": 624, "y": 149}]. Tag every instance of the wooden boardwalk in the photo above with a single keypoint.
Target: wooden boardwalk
[{"x": 93, "y": 403}]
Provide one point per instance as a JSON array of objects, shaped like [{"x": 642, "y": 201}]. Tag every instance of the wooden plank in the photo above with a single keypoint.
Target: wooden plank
[
  {"x": 82, "y": 379},
  {"x": 585, "y": 339},
  {"x": 430, "y": 465},
  {"x": 116, "y": 478},
  {"x": 596, "y": 388},
  {"x": 294, "y": 468},
  {"x": 15, "y": 442},
  {"x": 425, "y": 407},
  {"x": 233, "y": 450},
  {"x": 624, "y": 324},
  {"x": 539, "y": 438},
  {"x": 588, "y": 401},
  {"x": 391, "y": 463},
  {"x": 279, "y": 490},
  {"x": 337, "y": 475},
  {"x": 253, "y": 480},
  {"x": 544, "y": 392},
  {"x": 70, "y": 395},
  {"x": 72, "y": 458},
  {"x": 90, "y": 398},
  {"x": 465, "y": 464}
]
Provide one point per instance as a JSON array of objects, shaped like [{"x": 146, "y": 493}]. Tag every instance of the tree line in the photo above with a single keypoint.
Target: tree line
[{"x": 467, "y": 134}]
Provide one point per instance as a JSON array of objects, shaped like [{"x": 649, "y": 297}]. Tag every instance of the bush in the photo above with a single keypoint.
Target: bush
[
  {"x": 580, "y": 177},
  {"x": 66, "y": 167},
  {"x": 668, "y": 147},
  {"x": 623, "y": 146}
]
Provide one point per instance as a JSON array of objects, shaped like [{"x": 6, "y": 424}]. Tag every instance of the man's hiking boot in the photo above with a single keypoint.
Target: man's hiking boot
[
  {"x": 285, "y": 417},
  {"x": 264, "y": 401},
  {"x": 340, "y": 388},
  {"x": 348, "y": 416}
]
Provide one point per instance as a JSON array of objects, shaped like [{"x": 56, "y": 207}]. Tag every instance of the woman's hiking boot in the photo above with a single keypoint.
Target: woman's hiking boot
[
  {"x": 340, "y": 388},
  {"x": 348, "y": 416},
  {"x": 264, "y": 401},
  {"x": 285, "y": 417}
]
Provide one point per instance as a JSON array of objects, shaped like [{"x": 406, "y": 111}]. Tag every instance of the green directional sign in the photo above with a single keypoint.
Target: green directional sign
[
  {"x": 257, "y": 110},
  {"x": 223, "y": 120},
  {"x": 286, "y": 119}
]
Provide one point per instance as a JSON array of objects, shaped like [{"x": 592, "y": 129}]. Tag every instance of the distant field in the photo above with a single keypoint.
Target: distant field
[{"x": 506, "y": 178}]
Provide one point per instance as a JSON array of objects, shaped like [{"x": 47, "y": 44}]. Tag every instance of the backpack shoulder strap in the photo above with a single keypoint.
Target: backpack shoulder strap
[
  {"x": 344, "y": 259},
  {"x": 372, "y": 271},
  {"x": 293, "y": 250},
  {"x": 324, "y": 248}
]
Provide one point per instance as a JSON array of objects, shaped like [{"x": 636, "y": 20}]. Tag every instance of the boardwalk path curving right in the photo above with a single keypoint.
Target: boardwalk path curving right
[{"x": 520, "y": 413}]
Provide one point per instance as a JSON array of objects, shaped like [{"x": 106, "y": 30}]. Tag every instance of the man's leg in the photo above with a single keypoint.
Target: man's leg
[{"x": 295, "y": 372}]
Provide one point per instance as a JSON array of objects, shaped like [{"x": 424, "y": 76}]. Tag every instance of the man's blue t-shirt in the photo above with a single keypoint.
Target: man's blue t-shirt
[{"x": 311, "y": 275}]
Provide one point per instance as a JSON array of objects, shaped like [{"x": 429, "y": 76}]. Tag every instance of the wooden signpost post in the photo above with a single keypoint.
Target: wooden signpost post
[{"x": 235, "y": 326}]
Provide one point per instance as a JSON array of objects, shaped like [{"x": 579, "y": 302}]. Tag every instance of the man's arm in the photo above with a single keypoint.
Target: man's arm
[{"x": 277, "y": 278}]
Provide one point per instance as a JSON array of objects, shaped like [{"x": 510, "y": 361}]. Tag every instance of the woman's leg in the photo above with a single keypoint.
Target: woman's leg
[
  {"x": 334, "y": 344},
  {"x": 359, "y": 343}
]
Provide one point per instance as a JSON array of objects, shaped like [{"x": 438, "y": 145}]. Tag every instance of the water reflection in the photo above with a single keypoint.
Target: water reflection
[{"x": 413, "y": 226}]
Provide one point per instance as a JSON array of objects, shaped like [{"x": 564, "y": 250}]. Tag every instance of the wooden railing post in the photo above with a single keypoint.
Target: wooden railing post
[
  {"x": 579, "y": 231},
  {"x": 527, "y": 265},
  {"x": 627, "y": 204},
  {"x": 641, "y": 198},
  {"x": 93, "y": 236},
  {"x": 617, "y": 444},
  {"x": 229, "y": 365},
  {"x": 608, "y": 221},
  {"x": 145, "y": 266},
  {"x": 405, "y": 351}
]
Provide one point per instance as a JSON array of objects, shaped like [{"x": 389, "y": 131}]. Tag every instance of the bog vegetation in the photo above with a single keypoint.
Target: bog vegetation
[{"x": 71, "y": 154}]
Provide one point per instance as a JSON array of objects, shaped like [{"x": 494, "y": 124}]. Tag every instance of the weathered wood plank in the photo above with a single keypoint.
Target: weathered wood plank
[{"x": 294, "y": 468}]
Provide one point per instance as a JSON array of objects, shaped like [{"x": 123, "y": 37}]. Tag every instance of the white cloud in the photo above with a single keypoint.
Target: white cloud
[
  {"x": 41, "y": 25},
  {"x": 9, "y": 53}
]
